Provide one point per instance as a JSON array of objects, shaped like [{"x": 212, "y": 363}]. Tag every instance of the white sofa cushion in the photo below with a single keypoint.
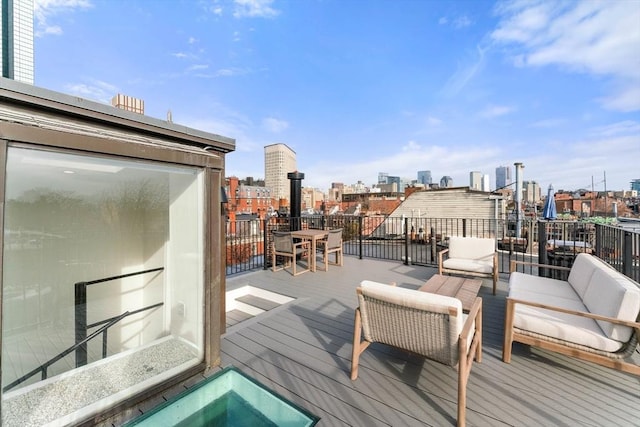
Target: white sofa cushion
[
  {"x": 521, "y": 284},
  {"x": 611, "y": 294},
  {"x": 477, "y": 266},
  {"x": 576, "y": 329},
  {"x": 581, "y": 271},
  {"x": 566, "y": 327},
  {"x": 472, "y": 248}
]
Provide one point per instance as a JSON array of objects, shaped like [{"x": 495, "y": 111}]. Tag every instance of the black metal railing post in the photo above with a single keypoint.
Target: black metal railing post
[
  {"x": 434, "y": 245},
  {"x": 265, "y": 244},
  {"x": 81, "y": 322},
  {"x": 80, "y": 308},
  {"x": 406, "y": 241},
  {"x": 360, "y": 221},
  {"x": 627, "y": 254}
]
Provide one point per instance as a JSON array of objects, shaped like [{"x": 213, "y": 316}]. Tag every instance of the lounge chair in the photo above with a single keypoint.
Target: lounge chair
[
  {"x": 427, "y": 324},
  {"x": 472, "y": 256}
]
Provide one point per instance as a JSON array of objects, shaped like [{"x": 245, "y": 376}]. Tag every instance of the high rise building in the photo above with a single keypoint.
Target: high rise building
[
  {"x": 446, "y": 181},
  {"x": 503, "y": 177},
  {"x": 128, "y": 103},
  {"x": 16, "y": 47},
  {"x": 486, "y": 182},
  {"x": 475, "y": 180},
  {"x": 424, "y": 178},
  {"x": 531, "y": 192},
  {"x": 279, "y": 160},
  {"x": 635, "y": 185},
  {"x": 383, "y": 178}
]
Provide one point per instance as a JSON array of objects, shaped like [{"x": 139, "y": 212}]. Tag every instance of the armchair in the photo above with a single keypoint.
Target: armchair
[
  {"x": 471, "y": 256},
  {"x": 427, "y": 324},
  {"x": 284, "y": 246},
  {"x": 332, "y": 244}
]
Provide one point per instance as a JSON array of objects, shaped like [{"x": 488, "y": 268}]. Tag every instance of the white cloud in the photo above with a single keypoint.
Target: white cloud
[
  {"x": 411, "y": 146},
  {"x": 405, "y": 163},
  {"x": 433, "y": 121},
  {"x": 254, "y": 9},
  {"x": 548, "y": 123},
  {"x": 457, "y": 23},
  {"x": 274, "y": 125},
  {"x": 461, "y": 22},
  {"x": 192, "y": 40},
  {"x": 493, "y": 111},
  {"x": 464, "y": 74},
  {"x": 197, "y": 67},
  {"x": 230, "y": 72},
  {"x": 628, "y": 127},
  {"x": 599, "y": 38},
  {"x": 45, "y": 9},
  {"x": 96, "y": 90}
]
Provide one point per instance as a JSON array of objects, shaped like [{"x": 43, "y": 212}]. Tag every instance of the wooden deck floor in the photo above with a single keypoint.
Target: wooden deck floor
[{"x": 302, "y": 350}]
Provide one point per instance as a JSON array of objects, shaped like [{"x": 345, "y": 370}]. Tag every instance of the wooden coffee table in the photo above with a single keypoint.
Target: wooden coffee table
[{"x": 466, "y": 290}]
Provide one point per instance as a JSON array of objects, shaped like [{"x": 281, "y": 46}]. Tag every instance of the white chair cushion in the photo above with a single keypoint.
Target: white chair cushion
[
  {"x": 474, "y": 248},
  {"x": 415, "y": 299},
  {"x": 477, "y": 266}
]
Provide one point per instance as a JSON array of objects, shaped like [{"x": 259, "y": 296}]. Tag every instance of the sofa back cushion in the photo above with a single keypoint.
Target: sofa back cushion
[
  {"x": 612, "y": 294},
  {"x": 475, "y": 248},
  {"x": 581, "y": 271}
]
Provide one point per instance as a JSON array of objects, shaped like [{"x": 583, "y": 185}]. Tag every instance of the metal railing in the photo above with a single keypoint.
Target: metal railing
[
  {"x": 80, "y": 303},
  {"x": 418, "y": 240}
]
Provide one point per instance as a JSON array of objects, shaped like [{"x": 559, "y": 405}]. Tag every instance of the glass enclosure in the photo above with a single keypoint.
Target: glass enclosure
[{"x": 118, "y": 242}]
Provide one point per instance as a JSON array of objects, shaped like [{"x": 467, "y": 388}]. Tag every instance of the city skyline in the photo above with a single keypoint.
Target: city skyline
[{"x": 357, "y": 88}]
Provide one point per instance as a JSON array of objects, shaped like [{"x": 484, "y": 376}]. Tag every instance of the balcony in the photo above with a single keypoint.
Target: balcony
[
  {"x": 302, "y": 349},
  {"x": 300, "y": 346}
]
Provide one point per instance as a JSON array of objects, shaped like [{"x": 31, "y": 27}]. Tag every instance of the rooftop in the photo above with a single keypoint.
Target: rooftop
[{"x": 302, "y": 350}]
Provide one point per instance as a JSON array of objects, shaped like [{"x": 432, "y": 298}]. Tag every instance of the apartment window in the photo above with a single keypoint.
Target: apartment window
[{"x": 113, "y": 245}]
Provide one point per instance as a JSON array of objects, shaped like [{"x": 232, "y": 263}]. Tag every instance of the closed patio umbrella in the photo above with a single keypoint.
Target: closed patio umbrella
[{"x": 549, "y": 211}]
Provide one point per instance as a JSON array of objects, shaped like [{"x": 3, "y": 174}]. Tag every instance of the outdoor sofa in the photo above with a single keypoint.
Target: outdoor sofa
[{"x": 594, "y": 315}]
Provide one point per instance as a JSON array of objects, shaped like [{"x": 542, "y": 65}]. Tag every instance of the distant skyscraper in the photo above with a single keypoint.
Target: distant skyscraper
[
  {"x": 635, "y": 185},
  {"x": 503, "y": 176},
  {"x": 279, "y": 160},
  {"x": 16, "y": 48},
  {"x": 128, "y": 103},
  {"x": 531, "y": 192},
  {"x": 486, "y": 182},
  {"x": 424, "y": 178},
  {"x": 383, "y": 178},
  {"x": 446, "y": 181},
  {"x": 475, "y": 180}
]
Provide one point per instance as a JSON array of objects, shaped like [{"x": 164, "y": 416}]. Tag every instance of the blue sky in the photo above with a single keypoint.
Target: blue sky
[{"x": 357, "y": 87}]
